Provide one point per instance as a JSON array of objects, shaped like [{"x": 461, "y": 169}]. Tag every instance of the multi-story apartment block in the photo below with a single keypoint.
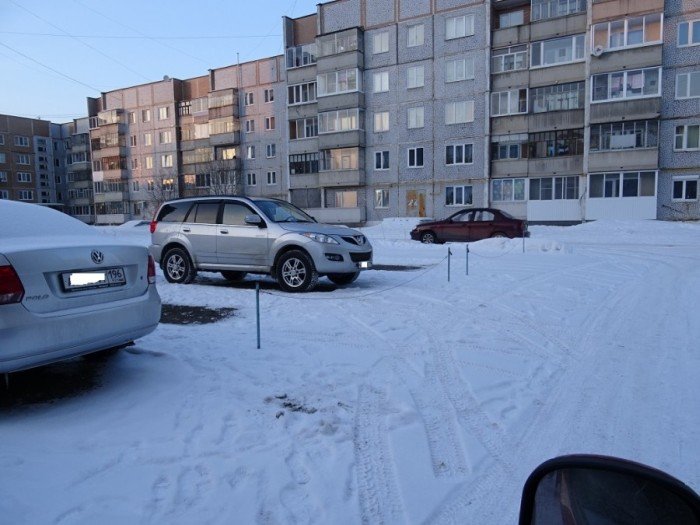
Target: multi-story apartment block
[
  {"x": 80, "y": 200},
  {"x": 680, "y": 123}
]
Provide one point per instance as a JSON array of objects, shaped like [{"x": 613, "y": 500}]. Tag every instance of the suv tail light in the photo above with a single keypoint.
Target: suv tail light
[
  {"x": 11, "y": 289},
  {"x": 153, "y": 225},
  {"x": 151, "y": 270}
]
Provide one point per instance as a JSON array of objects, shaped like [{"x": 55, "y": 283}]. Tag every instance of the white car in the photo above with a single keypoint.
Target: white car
[{"x": 67, "y": 289}]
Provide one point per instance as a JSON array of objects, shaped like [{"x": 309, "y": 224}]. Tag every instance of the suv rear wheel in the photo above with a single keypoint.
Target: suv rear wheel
[
  {"x": 295, "y": 272},
  {"x": 178, "y": 267}
]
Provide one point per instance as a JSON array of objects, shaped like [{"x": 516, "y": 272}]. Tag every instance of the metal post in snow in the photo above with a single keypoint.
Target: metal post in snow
[
  {"x": 523, "y": 243},
  {"x": 257, "y": 309},
  {"x": 449, "y": 253},
  {"x": 467, "y": 258}
]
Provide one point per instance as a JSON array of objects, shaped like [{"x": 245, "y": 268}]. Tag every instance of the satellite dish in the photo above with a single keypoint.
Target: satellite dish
[
  {"x": 166, "y": 77},
  {"x": 598, "y": 50}
]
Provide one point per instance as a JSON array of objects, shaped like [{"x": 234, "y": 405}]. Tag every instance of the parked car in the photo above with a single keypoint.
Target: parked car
[
  {"x": 471, "y": 224},
  {"x": 240, "y": 235},
  {"x": 68, "y": 290}
]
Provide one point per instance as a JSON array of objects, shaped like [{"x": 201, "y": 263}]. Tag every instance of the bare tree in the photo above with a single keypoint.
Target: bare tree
[
  {"x": 219, "y": 177},
  {"x": 162, "y": 186}
]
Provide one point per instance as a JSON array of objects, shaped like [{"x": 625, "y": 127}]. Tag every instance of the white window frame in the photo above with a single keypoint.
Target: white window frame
[
  {"x": 381, "y": 121},
  {"x": 617, "y": 178},
  {"x": 415, "y": 117},
  {"x": 512, "y": 18},
  {"x": 145, "y": 115},
  {"x": 464, "y": 146},
  {"x": 322, "y": 80},
  {"x": 459, "y": 26},
  {"x": 249, "y": 98},
  {"x": 24, "y": 177},
  {"x": 269, "y": 123},
  {"x": 4, "y": 194},
  {"x": 574, "y": 46},
  {"x": 271, "y": 178},
  {"x": 3, "y": 176},
  {"x": 24, "y": 159},
  {"x": 166, "y": 161},
  {"x": 415, "y": 77},
  {"x": 381, "y": 198},
  {"x": 606, "y": 27},
  {"x": 269, "y": 95},
  {"x": 270, "y": 151},
  {"x": 693, "y": 27},
  {"x": 625, "y": 74},
  {"x": 499, "y": 56},
  {"x": 415, "y": 35},
  {"x": 454, "y": 110},
  {"x": 165, "y": 137},
  {"x": 461, "y": 191},
  {"x": 340, "y": 121},
  {"x": 250, "y": 126},
  {"x": 21, "y": 141},
  {"x": 512, "y": 96},
  {"x": 688, "y": 79},
  {"x": 3, "y": 158},
  {"x": 2, "y": 139},
  {"x": 415, "y": 157},
  {"x": 512, "y": 183},
  {"x": 381, "y": 159},
  {"x": 25, "y": 195},
  {"x": 149, "y": 162},
  {"x": 380, "y": 43},
  {"x": 147, "y": 139},
  {"x": 251, "y": 179},
  {"x": 684, "y": 138},
  {"x": 301, "y": 94},
  {"x": 684, "y": 180},
  {"x": 459, "y": 69},
  {"x": 163, "y": 113},
  {"x": 380, "y": 82},
  {"x": 250, "y": 151}
]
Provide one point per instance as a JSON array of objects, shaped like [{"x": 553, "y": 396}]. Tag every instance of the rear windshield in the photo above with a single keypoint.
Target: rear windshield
[{"x": 174, "y": 211}]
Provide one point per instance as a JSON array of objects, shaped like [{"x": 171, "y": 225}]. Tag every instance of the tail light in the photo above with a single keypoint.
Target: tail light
[
  {"x": 151, "y": 270},
  {"x": 153, "y": 225},
  {"x": 11, "y": 289}
]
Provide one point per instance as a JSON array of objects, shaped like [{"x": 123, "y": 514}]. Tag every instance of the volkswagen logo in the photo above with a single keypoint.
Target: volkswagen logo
[{"x": 97, "y": 256}]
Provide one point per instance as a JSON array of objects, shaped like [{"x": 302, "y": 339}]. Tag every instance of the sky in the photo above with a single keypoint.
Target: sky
[{"x": 55, "y": 54}]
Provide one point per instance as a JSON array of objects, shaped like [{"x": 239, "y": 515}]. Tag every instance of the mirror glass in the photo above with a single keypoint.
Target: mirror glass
[{"x": 585, "y": 496}]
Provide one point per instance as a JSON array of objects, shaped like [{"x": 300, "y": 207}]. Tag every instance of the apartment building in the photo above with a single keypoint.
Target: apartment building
[
  {"x": 386, "y": 109},
  {"x": 680, "y": 124},
  {"x": 80, "y": 197}
]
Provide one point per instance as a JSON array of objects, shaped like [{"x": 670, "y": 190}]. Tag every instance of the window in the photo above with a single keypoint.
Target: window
[
  {"x": 625, "y": 135},
  {"x": 251, "y": 179},
  {"x": 336, "y": 43},
  {"x": 625, "y": 184},
  {"x": 554, "y": 188},
  {"x": 250, "y": 152},
  {"x": 688, "y": 85},
  {"x": 381, "y": 82},
  {"x": 163, "y": 113},
  {"x": 4, "y": 194},
  {"x": 269, "y": 123},
  {"x": 202, "y": 180},
  {"x": 271, "y": 178},
  {"x": 458, "y": 195},
  {"x": 689, "y": 33},
  {"x": 269, "y": 95},
  {"x": 149, "y": 163},
  {"x": 341, "y": 198},
  {"x": 560, "y": 143},
  {"x": 459, "y": 112},
  {"x": 303, "y": 163},
  {"x": 557, "y": 51},
  {"x": 381, "y": 160},
  {"x": 250, "y": 126},
  {"x": 165, "y": 137},
  {"x": 340, "y": 159},
  {"x": 416, "y": 117},
  {"x": 508, "y": 190},
  {"x": 685, "y": 189},
  {"x": 415, "y": 157},
  {"x": 150, "y": 186},
  {"x": 145, "y": 115},
  {"x": 336, "y": 82},
  {"x": 381, "y": 198},
  {"x": 21, "y": 141},
  {"x": 415, "y": 77},
  {"x": 303, "y": 128},
  {"x": 300, "y": 56},
  {"x": 134, "y": 163},
  {"x": 271, "y": 151},
  {"x": 2, "y": 139},
  {"x": 225, "y": 153},
  {"x": 544, "y": 9},
  {"x": 23, "y": 176},
  {"x": 135, "y": 185},
  {"x": 416, "y": 35},
  {"x": 339, "y": 121},
  {"x": 3, "y": 176},
  {"x": 558, "y": 97},
  {"x": 459, "y": 26},
  {"x": 687, "y": 138},
  {"x": 381, "y": 121},
  {"x": 132, "y": 140},
  {"x": 166, "y": 161},
  {"x": 22, "y": 158},
  {"x": 459, "y": 69},
  {"x": 511, "y": 19},
  {"x": 25, "y": 195},
  {"x": 380, "y": 43},
  {"x": 630, "y": 32},
  {"x": 638, "y": 83},
  {"x": 132, "y": 117},
  {"x": 3, "y": 158},
  {"x": 301, "y": 93},
  {"x": 509, "y": 59},
  {"x": 249, "y": 98},
  {"x": 509, "y": 102},
  {"x": 458, "y": 154}
]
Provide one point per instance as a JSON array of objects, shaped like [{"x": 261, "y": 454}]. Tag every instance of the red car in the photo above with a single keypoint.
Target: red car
[{"x": 471, "y": 224}]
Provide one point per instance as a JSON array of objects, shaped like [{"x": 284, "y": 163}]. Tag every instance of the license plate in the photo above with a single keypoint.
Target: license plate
[
  {"x": 73, "y": 281},
  {"x": 365, "y": 264}
]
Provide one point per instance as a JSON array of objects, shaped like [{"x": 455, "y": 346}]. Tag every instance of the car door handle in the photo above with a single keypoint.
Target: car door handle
[
  {"x": 223, "y": 231},
  {"x": 185, "y": 229}
]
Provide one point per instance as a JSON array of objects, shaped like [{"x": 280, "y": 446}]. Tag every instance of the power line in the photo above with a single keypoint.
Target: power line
[
  {"x": 125, "y": 66},
  {"x": 144, "y": 37}
]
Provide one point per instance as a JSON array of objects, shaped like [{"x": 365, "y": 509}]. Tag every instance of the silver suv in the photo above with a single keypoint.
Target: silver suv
[{"x": 239, "y": 235}]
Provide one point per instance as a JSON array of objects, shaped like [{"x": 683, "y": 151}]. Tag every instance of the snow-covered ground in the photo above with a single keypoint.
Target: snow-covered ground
[{"x": 403, "y": 398}]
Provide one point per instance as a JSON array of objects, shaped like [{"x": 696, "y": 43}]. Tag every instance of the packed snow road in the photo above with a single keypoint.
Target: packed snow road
[{"x": 403, "y": 398}]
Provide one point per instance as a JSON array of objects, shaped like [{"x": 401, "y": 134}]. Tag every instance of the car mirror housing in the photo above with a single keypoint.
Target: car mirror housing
[
  {"x": 255, "y": 220},
  {"x": 582, "y": 489}
]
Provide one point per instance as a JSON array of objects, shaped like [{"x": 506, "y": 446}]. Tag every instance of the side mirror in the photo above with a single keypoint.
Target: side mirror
[
  {"x": 255, "y": 220},
  {"x": 587, "y": 489}
]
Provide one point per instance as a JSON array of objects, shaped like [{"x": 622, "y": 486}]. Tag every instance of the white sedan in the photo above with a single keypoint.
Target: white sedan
[{"x": 67, "y": 289}]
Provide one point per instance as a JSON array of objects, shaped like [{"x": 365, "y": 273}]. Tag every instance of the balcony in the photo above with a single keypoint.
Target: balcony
[
  {"x": 509, "y": 168},
  {"x": 115, "y": 174},
  {"x": 304, "y": 180},
  {"x": 338, "y": 215},
  {"x": 510, "y": 36},
  {"x": 220, "y": 139},
  {"x": 342, "y": 139},
  {"x": 354, "y": 177},
  {"x": 639, "y": 109},
  {"x": 624, "y": 160},
  {"x": 572, "y": 165},
  {"x": 621, "y": 59},
  {"x": 553, "y": 120},
  {"x": 353, "y": 99}
]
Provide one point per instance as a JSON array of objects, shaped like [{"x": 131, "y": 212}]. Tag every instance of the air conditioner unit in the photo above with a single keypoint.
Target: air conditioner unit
[{"x": 597, "y": 51}]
